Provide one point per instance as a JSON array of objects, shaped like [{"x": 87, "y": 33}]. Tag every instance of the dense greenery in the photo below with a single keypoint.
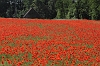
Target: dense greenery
[{"x": 59, "y": 9}]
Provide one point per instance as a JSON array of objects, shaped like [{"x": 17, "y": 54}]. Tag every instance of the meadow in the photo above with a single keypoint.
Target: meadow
[{"x": 38, "y": 42}]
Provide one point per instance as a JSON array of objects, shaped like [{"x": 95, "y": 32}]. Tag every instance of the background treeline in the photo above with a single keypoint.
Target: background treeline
[{"x": 58, "y": 9}]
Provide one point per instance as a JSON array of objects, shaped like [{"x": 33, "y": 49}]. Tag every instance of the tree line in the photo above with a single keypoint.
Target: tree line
[{"x": 52, "y": 9}]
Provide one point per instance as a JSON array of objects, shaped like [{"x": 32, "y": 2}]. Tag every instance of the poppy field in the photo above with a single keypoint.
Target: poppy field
[{"x": 37, "y": 42}]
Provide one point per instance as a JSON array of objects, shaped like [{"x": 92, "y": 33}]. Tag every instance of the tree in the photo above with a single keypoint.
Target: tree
[
  {"x": 45, "y": 8},
  {"x": 60, "y": 9},
  {"x": 4, "y": 4},
  {"x": 49, "y": 9},
  {"x": 95, "y": 9},
  {"x": 82, "y": 9}
]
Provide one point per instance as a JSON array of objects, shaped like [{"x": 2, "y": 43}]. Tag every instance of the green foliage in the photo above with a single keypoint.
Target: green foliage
[
  {"x": 3, "y": 7},
  {"x": 79, "y": 9},
  {"x": 95, "y": 9},
  {"x": 60, "y": 9},
  {"x": 66, "y": 9}
]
